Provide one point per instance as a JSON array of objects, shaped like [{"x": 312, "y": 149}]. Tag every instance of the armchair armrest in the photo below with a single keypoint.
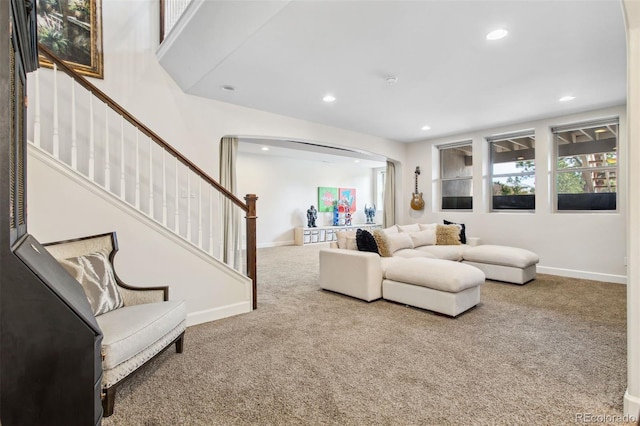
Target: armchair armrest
[
  {"x": 141, "y": 295},
  {"x": 351, "y": 272}
]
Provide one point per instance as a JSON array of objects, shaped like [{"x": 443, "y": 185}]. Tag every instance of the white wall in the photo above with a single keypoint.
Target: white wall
[
  {"x": 588, "y": 245},
  {"x": 287, "y": 187},
  {"x": 62, "y": 207}
]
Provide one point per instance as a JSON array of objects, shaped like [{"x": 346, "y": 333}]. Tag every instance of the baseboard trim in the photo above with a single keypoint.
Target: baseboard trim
[
  {"x": 276, "y": 244},
  {"x": 208, "y": 315},
  {"x": 631, "y": 407},
  {"x": 585, "y": 275}
]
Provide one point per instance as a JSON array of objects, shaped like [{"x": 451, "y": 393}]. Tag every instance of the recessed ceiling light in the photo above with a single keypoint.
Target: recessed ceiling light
[
  {"x": 265, "y": 148},
  {"x": 567, "y": 98},
  {"x": 497, "y": 34},
  {"x": 426, "y": 127},
  {"x": 600, "y": 131},
  {"x": 391, "y": 80},
  {"x": 329, "y": 98},
  {"x": 227, "y": 88},
  {"x": 356, "y": 161}
]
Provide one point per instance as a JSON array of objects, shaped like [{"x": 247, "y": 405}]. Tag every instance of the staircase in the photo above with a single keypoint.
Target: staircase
[{"x": 95, "y": 140}]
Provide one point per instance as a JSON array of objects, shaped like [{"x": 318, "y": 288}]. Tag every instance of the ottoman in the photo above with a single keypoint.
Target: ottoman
[
  {"x": 502, "y": 263},
  {"x": 437, "y": 285}
]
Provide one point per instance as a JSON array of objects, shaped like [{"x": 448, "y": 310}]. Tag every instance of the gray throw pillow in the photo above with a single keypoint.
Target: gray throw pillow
[{"x": 94, "y": 272}]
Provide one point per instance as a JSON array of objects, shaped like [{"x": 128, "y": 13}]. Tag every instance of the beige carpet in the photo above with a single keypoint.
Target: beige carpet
[{"x": 539, "y": 354}]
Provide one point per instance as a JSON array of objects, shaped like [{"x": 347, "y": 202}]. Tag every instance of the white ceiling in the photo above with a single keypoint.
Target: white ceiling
[{"x": 284, "y": 56}]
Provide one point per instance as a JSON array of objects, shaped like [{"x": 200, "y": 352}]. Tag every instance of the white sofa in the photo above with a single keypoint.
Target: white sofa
[{"x": 361, "y": 274}]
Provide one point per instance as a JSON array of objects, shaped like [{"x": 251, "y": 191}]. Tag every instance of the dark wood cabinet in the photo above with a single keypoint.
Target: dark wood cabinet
[{"x": 50, "y": 362}]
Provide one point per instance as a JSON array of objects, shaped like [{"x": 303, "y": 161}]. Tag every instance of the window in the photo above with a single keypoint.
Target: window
[
  {"x": 586, "y": 169},
  {"x": 456, "y": 176},
  {"x": 513, "y": 170}
]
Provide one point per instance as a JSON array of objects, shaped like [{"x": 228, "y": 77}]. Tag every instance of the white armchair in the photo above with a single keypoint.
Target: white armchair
[{"x": 138, "y": 324}]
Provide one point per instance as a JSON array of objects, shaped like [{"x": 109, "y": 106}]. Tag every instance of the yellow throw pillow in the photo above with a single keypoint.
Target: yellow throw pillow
[
  {"x": 447, "y": 235},
  {"x": 382, "y": 242}
]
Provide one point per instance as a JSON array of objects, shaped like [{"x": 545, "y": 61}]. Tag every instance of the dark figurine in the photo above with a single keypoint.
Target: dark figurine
[{"x": 312, "y": 215}]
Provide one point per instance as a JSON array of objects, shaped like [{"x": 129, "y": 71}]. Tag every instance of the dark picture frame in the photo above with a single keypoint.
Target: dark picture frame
[{"x": 72, "y": 30}]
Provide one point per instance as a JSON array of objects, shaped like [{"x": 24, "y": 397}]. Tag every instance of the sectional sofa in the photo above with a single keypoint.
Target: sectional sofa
[{"x": 419, "y": 268}]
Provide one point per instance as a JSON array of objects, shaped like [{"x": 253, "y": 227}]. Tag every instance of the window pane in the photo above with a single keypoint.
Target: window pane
[
  {"x": 587, "y": 147},
  {"x": 603, "y": 159},
  {"x": 515, "y": 192},
  {"x": 514, "y": 167},
  {"x": 457, "y": 194},
  {"x": 586, "y": 166},
  {"x": 514, "y": 185},
  {"x": 456, "y": 162},
  {"x": 513, "y": 155},
  {"x": 456, "y": 171},
  {"x": 513, "y": 172},
  {"x": 586, "y": 182},
  {"x": 514, "y": 202}
]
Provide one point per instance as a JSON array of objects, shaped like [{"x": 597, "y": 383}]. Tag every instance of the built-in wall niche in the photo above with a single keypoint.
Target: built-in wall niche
[{"x": 292, "y": 187}]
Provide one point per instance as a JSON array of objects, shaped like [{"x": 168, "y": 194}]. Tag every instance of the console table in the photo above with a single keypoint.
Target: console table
[{"x": 325, "y": 234}]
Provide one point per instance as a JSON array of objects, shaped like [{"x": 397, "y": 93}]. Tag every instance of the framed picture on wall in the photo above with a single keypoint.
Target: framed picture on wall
[
  {"x": 72, "y": 30},
  {"x": 326, "y": 197},
  {"x": 348, "y": 196}
]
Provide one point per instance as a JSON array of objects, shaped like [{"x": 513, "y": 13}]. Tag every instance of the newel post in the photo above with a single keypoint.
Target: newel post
[{"x": 252, "y": 245}]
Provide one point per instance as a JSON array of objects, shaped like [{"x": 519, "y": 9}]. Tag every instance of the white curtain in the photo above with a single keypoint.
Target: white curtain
[
  {"x": 231, "y": 228},
  {"x": 389, "y": 217}
]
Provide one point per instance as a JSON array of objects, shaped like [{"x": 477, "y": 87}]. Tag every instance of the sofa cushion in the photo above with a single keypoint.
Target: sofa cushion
[
  {"x": 423, "y": 238},
  {"x": 410, "y": 253},
  {"x": 385, "y": 262},
  {"x": 501, "y": 255},
  {"x": 414, "y": 227},
  {"x": 398, "y": 241},
  {"x": 463, "y": 233},
  {"x": 347, "y": 240},
  {"x": 437, "y": 274},
  {"x": 393, "y": 229},
  {"x": 365, "y": 241},
  {"x": 448, "y": 235},
  {"x": 95, "y": 273},
  {"x": 428, "y": 226},
  {"x": 129, "y": 330},
  {"x": 454, "y": 252},
  {"x": 382, "y": 241}
]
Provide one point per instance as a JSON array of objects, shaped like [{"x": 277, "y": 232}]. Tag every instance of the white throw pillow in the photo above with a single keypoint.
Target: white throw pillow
[
  {"x": 428, "y": 226},
  {"x": 352, "y": 243},
  {"x": 393, "y": 229},
  {"x": 414, "y": 227},
  {"x": 423, "y": 238},
  {"x": 343, "y": 240},
  {"x": 399, "y": 241}
]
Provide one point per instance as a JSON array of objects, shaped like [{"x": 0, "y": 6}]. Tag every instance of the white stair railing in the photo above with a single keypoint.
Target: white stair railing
[{"x": 100, "y": 144}]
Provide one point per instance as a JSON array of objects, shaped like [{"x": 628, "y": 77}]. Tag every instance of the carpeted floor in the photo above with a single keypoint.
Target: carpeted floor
[{"x": 545, "y": 353}]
